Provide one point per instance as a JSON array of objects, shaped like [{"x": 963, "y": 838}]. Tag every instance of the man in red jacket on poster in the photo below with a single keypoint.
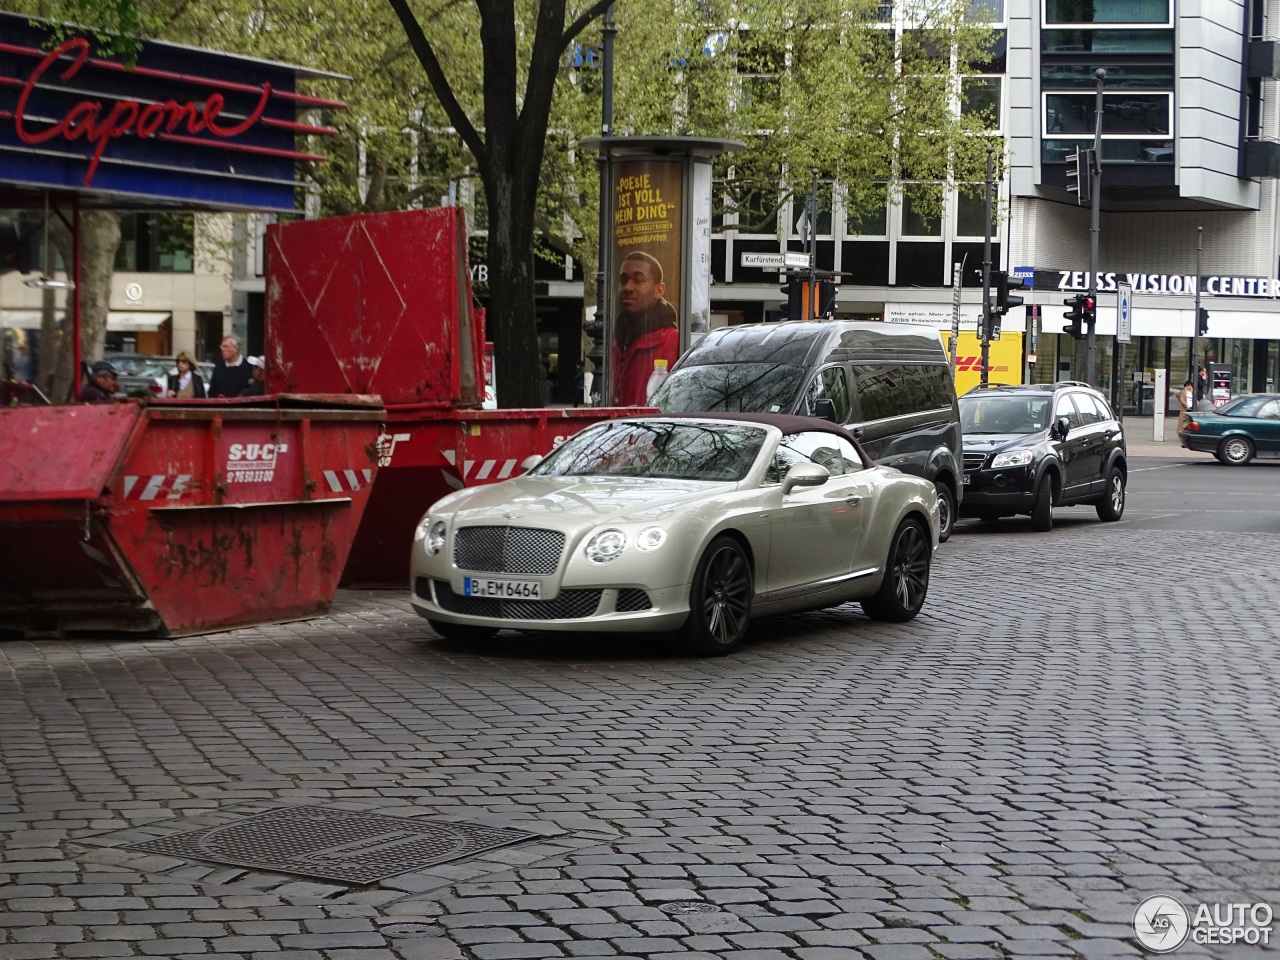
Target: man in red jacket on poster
[{"x": 646, "y": 329}]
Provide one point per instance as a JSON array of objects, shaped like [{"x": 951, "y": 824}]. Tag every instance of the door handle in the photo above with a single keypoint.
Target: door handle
[{"x": 853, "y": 501}]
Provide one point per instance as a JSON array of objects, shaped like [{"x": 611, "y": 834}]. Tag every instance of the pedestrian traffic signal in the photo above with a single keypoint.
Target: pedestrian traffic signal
[
  {"x": 1006, "y": 287},
  {"x": 1090, "y": 313},
  {"x": 1076, "y": 315},
  {"x": 1202, "y": 323}
]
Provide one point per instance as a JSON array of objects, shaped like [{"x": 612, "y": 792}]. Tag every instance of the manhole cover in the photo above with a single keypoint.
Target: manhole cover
[
  {"x": 331, "y": 844},
  {"x": 411, "y": 929},
  {"x": 689, "y": 906}
]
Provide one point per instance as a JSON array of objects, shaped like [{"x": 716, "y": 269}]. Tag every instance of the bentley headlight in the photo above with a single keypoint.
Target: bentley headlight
[
  {"x": 1019, "y": 459},
  {"x": 433, "y": 534},
  {"x": 605, "y": 546},
  {"x": 651, "y": 539}
]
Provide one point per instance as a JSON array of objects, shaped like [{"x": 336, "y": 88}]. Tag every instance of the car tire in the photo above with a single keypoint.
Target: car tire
[
  {"x": 1235, "y": 451},
  {"x": 719, "y": 600},
  {"x": 1042, "y": 506},
  {"x": 462, "y": 632},
  {"x": 946, "y": 510},
  {"x": 906, "y": 576},
  {"x": 1111, "y": 506}
]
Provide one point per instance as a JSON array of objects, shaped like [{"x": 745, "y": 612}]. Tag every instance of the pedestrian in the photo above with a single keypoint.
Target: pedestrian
[
  {"x": 232, "y": 373},
  {"x": 186, "y": 383},
  {"x": 1186, "y": 402},
  {"x": 101, "y": 387},
  {"x": 257, "y": 378}
]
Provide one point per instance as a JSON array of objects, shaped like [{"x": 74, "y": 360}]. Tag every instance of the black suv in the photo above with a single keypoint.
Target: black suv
[{"x": 1030, "y": 448}]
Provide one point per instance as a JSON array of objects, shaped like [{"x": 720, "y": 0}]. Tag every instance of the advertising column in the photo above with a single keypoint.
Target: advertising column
[{"x": 648, "y": 216}]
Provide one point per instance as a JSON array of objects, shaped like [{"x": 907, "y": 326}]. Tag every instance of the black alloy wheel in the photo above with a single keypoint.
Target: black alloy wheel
[
  {"x": 946, "y": 510},
  {"x": 719, "y": 600},
  {"x": 1111, "y": 506},
  {"x": 906, "y": 576}
]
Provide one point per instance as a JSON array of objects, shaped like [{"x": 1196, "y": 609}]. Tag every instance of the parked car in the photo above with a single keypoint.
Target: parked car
[
  {"x": 889, "y": 383},
  {"x": 1236, "y": 431},
  {"x": 1031, "y": 448},
  {"x": 137, "y": 374},
  {"x": 678, "y": 524}
]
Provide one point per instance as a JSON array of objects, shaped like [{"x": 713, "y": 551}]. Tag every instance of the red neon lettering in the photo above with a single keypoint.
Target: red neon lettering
[{"x": 126, "y": 116}]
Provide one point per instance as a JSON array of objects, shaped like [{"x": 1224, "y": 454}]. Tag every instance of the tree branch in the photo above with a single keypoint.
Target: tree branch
[
  {"x": 594, "y": 12},
  {"x": 440, "y": 83}
]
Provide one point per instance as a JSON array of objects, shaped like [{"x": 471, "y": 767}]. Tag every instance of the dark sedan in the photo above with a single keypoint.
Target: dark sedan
[{"x": 1238, "y": 431}]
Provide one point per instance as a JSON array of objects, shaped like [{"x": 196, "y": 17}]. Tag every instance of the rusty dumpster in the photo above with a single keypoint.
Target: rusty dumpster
[{"x": 177, "y": 518}]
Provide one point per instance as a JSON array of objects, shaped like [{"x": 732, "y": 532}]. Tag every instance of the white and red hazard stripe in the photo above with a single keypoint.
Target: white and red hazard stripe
[
  {"x": 481, "y": 471},
  {"x": 347, "y": 481},
  {"x": 157, "y": 486}
]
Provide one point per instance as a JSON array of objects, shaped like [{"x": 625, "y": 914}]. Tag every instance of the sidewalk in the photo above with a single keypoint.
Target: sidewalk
[{"x": 1138, "y": 433}]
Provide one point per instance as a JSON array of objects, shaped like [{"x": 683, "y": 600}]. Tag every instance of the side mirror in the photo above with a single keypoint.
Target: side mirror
[
  {"x": 825, "y": 409},
  {"x": 529, "y": 462},
  {"x": 804, "y": 475},
  {"x": 1061, "y": 427}
]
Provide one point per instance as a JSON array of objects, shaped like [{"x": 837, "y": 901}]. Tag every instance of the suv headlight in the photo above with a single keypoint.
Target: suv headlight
[
  {"x": 1019, "y": 459},
  {"x": 433, "y": 533},
  {"x": 605, "y": 546}
]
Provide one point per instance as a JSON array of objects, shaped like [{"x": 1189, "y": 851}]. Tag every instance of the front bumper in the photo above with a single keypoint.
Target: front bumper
[
  {"x": 1006, "y": 488},
  {"x": 591, "y": 609}
]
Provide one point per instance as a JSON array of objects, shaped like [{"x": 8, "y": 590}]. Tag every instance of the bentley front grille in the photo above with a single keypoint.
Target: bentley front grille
[{"x": 525, "y": 550}]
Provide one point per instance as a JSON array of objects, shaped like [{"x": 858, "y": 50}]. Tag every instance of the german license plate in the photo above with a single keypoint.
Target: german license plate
[
  {"x": 967, "y": 478},
  {"x": 503, "y": 589}
]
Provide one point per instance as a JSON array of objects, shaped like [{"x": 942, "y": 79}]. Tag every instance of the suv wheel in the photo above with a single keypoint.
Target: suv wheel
[
  {"x": 1042, "y": 507},
  {"x": 946, "y": 510},
  {"x": 1111, "y": 506}
]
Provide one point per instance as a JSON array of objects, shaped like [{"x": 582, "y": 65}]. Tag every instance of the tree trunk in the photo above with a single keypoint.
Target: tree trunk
[
  {"x": 512, "y": 313},
  {"x": 99, "y": 241}
]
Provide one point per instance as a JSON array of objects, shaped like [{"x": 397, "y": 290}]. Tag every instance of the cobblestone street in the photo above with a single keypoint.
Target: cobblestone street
[{"x": 1069, "y": 727}]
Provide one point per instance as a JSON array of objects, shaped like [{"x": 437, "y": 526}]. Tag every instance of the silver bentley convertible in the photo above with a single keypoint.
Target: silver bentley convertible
[{"x": 678, "y": 524}]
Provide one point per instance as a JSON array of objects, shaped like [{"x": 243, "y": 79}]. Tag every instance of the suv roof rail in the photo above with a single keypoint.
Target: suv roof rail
[{"x": 1072, "y": 383}]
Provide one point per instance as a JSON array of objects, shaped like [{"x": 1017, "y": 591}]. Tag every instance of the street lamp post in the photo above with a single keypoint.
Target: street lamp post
[
  {"x": 1095, "y": 175},
  {"x": 986, "y": 276},
  {"x": 598, "y": 329}
]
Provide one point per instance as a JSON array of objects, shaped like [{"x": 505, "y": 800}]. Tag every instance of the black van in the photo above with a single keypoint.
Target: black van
[{"x": 889, "y": 382}]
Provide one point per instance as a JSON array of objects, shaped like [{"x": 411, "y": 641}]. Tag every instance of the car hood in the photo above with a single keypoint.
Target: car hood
[
  {"x": 991, "y": 442},
  {"x": 564, "y": 502}
]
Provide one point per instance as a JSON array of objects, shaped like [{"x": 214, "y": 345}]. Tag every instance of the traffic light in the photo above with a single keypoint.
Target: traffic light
[
  {"x": 808, "y": 299},
  {"x": 1202, "y": 323},
  {"x": 594, "y": 328},
  {"x": 827, "y": 291},
  {"x": 1076, "y": 315},
  {"x": 1090, "y": 313},
  {"x": 1079, "y": 165},
  {"x": 1006, "y": 286}
]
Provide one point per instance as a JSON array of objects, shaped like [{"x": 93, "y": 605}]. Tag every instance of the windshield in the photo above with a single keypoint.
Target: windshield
[
  {"x": 681, "y": 451},
  {"x": 730, "y": 387},
  {"x": 1007, "y": 414}
]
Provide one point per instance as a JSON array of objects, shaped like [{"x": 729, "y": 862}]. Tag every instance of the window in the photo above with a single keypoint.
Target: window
[
  {"x": 970, "y": 209},
  {"x": 1123, "y": 114},
  {"x": 918, "y": 220},
  {"x": 895, "y": 389},
  {"x": 1270, "y": 410},
  {"x": 799, "y": 214},
  {"x": 981, "y": 96},
  {"x": 830, "y": 384},
  {"x": 156, "y": 243},
  {"x": 869, "y": 217},
  {"x": 1113, "y": 11},
  {"x": 1065, "y": 408},
  {"x": 1089, "y": 412},
  {"x": 1106, "y": 41},
  {"x": 825, "y": 449}
]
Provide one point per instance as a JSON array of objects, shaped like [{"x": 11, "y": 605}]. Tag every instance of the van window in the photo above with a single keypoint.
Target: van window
[
  {"x": 896, "y": 389},
  {"x": 826, "y": 449},
  {"x": 830, "y": 384}
]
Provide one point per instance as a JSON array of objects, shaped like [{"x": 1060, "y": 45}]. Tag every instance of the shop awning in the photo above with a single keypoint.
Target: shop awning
[{"x": 117, "y": 321}]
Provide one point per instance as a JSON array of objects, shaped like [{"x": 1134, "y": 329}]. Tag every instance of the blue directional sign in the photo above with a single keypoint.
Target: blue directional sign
[{"x": 1124, "y": 312}]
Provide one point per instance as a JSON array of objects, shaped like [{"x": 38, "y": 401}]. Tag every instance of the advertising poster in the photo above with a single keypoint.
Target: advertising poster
[
  {"x": 700, "y": 270},
  {"x": 1004, "y": 355},
  {"x": 647, "y": 219}
]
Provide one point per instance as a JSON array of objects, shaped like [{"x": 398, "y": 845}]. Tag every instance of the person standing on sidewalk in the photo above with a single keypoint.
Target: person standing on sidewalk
[
  {"x": 1186, "y": 402},
  {"x": 232, "y": 374}
]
